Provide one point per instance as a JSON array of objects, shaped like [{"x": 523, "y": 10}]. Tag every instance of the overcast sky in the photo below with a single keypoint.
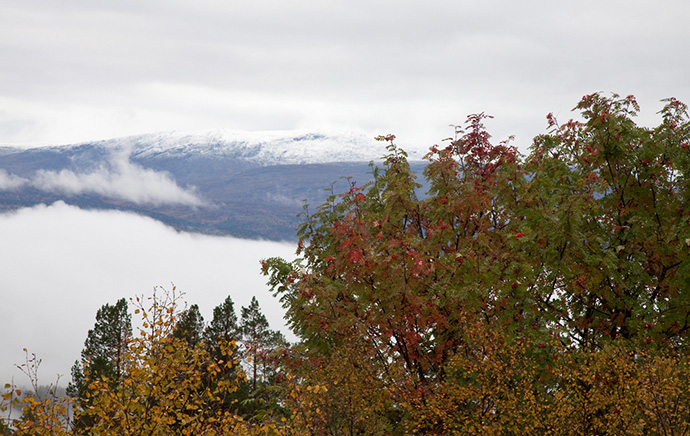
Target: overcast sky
[{"x": 78, "y": 70}]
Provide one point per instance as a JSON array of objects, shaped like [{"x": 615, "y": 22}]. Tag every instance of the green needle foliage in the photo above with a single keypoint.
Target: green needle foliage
[{"x": 102, "y": 356}]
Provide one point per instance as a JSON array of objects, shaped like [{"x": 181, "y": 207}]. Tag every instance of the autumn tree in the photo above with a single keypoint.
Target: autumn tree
[
  {"x": 491, "y": 304},
  {"x": 605, "y": 216},
  {"x": 44, "y": 411},
  {"x": 162, "y": 389},
  {"x": 397, "y": 278}
]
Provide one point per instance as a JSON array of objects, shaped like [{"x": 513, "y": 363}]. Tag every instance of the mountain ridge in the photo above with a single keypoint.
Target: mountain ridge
[
  {"x": 265, "y": 147},
  {"x": 246, "y": 184}
]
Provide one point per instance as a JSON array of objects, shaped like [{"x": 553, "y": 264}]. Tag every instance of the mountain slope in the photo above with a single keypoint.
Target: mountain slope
[{"x": 250, "y": 185}]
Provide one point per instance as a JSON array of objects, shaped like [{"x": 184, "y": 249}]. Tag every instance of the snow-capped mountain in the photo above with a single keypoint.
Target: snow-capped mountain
[
  {"x": 262, "y": 148},
  {"x": 248, "y": 184}
]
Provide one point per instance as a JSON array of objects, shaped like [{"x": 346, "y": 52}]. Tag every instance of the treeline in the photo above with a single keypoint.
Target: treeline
[{"x": 544, "y": 294}]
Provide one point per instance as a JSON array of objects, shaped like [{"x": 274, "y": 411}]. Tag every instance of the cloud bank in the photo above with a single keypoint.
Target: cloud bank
[
  {"x": 119, "y": 179},
  {"x": 125, "y": 181},
  {"x": 9, "y": 182},
  {"x": 61, "y": 263}
]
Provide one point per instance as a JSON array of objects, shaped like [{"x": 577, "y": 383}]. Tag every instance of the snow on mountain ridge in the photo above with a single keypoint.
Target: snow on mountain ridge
[{"x": 264, "y": 148}]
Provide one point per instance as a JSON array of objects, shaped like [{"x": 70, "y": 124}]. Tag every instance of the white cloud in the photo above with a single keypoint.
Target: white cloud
[
  {"x": 121, "y": 179},
  {"x": 9, "y": 182},
  {"x": 118, "y": 178},
  {"x": 60, "y": 264}
]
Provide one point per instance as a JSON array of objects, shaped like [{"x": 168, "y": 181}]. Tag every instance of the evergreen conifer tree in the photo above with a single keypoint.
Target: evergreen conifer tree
[
  {"x": 102, "y": 355},
  {"x": 223, "y": 326},
  {"x": 190, "y": 326},
  {"x": 258, "y": 340}
]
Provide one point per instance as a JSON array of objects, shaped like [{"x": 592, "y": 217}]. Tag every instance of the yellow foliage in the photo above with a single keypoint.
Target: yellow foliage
[
  {"x": 164, "y": 390},
  {"x": 510, "y": 389},
  {"x": 167, "y": 388}
]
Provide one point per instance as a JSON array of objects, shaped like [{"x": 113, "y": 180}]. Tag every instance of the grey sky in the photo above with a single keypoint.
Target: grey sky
[{"x": 78, "y": 70}]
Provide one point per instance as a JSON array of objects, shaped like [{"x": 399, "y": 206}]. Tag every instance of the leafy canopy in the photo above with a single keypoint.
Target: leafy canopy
[{"x": 493, "y": 302}]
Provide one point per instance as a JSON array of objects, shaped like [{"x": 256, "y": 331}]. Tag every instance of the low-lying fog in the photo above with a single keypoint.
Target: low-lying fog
[{"x": 60, "y": 264}]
